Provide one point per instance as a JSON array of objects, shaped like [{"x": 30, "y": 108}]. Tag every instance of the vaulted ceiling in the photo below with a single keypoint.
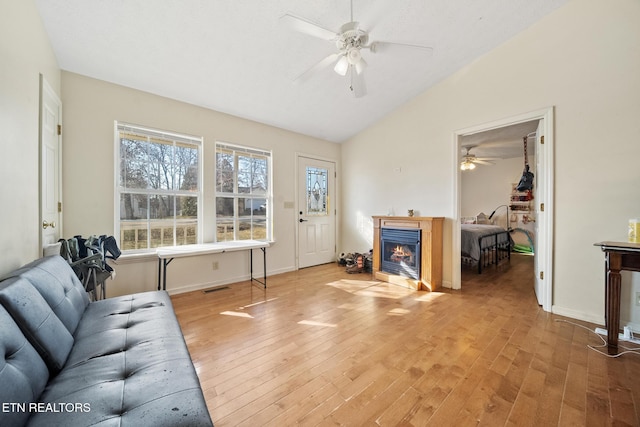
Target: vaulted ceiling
[{"x": 239, "y": 57}]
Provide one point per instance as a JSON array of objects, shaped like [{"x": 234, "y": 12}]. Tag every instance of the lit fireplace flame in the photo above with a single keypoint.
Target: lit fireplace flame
[{"x": 399, "y": 250}]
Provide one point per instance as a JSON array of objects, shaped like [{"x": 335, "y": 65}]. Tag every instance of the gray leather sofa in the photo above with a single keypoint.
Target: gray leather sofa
[{"x": 70, "y": 362}]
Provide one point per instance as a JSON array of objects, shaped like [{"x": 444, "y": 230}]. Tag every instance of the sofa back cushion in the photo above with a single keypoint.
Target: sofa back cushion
[
  {"x": 23, "y": 374},
  {"x": 55, "y": 280},
  {"x": 39, "y": 324}
]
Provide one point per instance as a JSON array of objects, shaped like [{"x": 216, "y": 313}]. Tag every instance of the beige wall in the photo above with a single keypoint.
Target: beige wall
[
  {"x": 583, "y": 59},
  {"x": 91, "y": 107},
  {"x": 25, "y": 54}
]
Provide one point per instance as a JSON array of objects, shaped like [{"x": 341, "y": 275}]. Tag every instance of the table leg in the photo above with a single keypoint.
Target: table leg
[
  {"x": 264, "y": 265},
  {"x": 164, "y": 275},
  {"x": 159, "y": 272},
  {"x": 612, "y": 303}
]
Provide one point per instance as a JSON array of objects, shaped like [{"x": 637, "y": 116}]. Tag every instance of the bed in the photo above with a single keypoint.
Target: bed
[{"x": 483, "y": 245}]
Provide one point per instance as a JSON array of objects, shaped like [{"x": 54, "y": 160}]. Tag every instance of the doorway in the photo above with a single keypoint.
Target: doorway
[
  {"x": 316, "y": 219},
  {"x": 50, "y": 167},
  {"x": 542, "y": 202}
]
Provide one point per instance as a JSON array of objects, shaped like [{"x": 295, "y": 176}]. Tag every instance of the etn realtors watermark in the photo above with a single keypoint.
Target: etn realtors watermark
[{"x": 34, "y": 407}]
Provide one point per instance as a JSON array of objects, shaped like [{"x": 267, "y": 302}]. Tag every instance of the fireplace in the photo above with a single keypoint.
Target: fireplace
[
  {"x": 415, "y": 260},
  {"x": 400, "y": 252}
]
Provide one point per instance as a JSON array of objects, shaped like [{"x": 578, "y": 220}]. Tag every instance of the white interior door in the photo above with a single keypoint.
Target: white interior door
[
  {"x": 50, "y": 176},
  {"x": 316, "y": 212},
  {"x": 539, "y": 244}
]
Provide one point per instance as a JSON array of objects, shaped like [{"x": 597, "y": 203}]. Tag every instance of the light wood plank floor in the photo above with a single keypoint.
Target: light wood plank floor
[{"x": 322, "y": 347}]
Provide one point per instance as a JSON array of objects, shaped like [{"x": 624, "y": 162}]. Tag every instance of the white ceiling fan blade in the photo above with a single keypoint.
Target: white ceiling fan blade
[
  {"x": 482, "y": 162},
  {"x": 342, "y": 66},
  {"x": 317, "y": 67},
  {"x": 360, "y": 66},
  {"x": 307, "y": 27},
  {"x": 358, "y": 86},
  {"x": 377, "y": 47}
]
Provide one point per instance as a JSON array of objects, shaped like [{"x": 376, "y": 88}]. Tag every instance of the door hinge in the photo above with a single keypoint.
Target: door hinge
[
  {"x": 542, "y": 275},
  {"x": 541, "y": 207},
  {"x": 542, "y": 139},
  {"x": 59, "y": 130},
  {"x": 59, "y": 207}
]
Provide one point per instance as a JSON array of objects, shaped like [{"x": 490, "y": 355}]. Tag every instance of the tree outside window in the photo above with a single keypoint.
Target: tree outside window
[
  {"x": 159, "y": 188},
  {"x": 243, "y": 193}
]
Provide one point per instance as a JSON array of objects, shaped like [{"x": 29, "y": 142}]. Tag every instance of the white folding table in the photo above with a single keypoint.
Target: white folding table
[{"x": 166, "y": 254}]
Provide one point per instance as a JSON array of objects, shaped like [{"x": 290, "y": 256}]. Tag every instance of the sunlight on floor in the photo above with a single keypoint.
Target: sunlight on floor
[
  {"x": 314, "y": 323},
  {"x": 398, "y": 312},
  {"x": 237, "y": 314},
  {"x": 372, "y": 288},
  {"x": 430, "y": 296},
  {"x": 258, "y": 303}
]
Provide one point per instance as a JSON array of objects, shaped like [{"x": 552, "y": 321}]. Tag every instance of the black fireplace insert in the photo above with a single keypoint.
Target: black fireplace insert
[{"x": 400, "y": 251}]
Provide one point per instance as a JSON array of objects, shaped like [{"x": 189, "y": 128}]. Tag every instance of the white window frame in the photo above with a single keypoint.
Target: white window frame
[
  {"x": 268, "y": 196},
  {"x": 173, "y": 138}
]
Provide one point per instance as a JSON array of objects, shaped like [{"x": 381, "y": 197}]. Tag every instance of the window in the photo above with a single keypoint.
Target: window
[
  {"x": 243, "y": 193},
  {"x": 158, "y": 197}
]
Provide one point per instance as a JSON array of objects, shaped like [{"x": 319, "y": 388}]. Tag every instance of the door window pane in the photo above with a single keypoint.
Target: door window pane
[{"x": 317, "y": 191}]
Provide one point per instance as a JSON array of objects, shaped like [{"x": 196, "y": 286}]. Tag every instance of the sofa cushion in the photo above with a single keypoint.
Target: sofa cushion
[
  {"x": 23, "y": 374},
  {"x": 54, "y": 278},
  {"x": 38, "y": 322},
  {"x": 130, "y": 366}
]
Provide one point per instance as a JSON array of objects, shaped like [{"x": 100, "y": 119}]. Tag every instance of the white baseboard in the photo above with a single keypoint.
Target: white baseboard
[
  {"x": 598, "y": 320},
  {"x": 579, "y": 315},
  {"x": 227, "y": 281}
]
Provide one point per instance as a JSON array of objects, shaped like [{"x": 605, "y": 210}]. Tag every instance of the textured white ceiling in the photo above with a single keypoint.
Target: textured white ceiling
[
  {"x": 503, "y": 143},
  {"x": 237, "y": 57}
]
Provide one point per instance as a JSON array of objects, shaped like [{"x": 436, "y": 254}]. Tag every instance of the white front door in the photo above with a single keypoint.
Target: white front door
[
  {"x": 316, "y": 212},
  {"x": 50, "y": 181}
]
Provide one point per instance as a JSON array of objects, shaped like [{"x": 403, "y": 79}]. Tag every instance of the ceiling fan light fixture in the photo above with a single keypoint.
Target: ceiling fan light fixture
[
  {"x": 467, "y": 165},
  {"x": 353, "y": 55},
  {"x": 349, "y": 41},
  {"x": 342, "y": 66}
]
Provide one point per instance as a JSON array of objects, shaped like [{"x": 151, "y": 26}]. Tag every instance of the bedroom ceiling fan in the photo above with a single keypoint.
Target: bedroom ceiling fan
[
  {"x": 350, "y": 40},
  {"x": 469, "y": 160}
]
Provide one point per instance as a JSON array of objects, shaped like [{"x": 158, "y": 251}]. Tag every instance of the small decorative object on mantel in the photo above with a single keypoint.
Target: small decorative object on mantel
[{"x": 410, "y": 212}]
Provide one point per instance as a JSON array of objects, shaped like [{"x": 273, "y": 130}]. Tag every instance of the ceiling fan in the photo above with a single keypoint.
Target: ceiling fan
[
  {"x": 469, "y": 160},
  {"x": 350, "y": 41}
]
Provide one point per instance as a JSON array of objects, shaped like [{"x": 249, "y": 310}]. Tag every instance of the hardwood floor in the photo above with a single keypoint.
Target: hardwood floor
[{"x": 322, "y": 347}]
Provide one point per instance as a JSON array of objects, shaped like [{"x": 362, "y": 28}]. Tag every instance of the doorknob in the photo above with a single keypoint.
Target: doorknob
[
  {"x": 302, "y": 220},
  {"x": 46, "y": 224}
]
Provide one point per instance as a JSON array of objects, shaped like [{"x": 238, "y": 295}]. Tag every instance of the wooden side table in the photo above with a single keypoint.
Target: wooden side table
[{"x": 618, "y": 256}]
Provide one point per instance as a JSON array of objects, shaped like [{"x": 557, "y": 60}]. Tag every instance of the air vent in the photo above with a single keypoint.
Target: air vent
[{"x": 208, "y": 291}]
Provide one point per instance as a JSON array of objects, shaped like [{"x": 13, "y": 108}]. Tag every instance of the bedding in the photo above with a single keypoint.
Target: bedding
[{"x": 484, "y": 244}]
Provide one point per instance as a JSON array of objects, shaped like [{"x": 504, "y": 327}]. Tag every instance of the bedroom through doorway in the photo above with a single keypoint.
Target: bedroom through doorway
[{"x": 489, "y": 165}]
